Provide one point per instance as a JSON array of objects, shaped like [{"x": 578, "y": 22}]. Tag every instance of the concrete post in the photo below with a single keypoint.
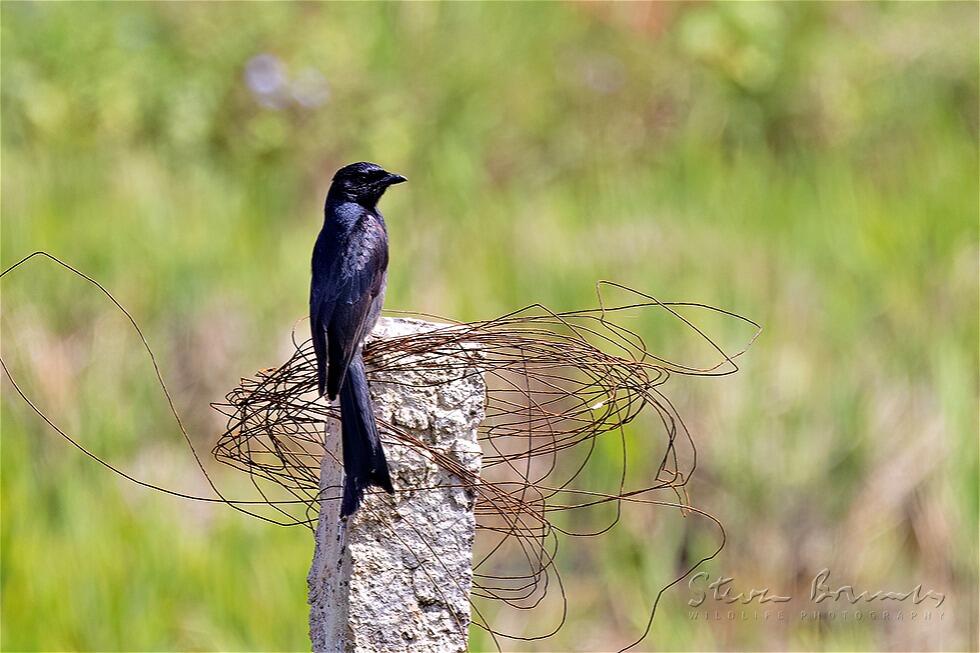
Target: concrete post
[{"x": 397, "y": 575}]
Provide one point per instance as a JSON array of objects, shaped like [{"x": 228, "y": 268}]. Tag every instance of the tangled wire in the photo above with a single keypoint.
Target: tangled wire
[
  {"x": 559, "y": 388},
  {"x": 557, "y": 384}
]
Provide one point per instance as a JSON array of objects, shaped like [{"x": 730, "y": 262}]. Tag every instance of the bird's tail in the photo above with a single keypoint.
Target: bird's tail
[{"x": 364, "y": 458}]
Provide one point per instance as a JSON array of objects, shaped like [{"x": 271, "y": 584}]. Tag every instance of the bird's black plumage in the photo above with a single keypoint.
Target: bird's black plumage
[{"x": 350, "y": 262}]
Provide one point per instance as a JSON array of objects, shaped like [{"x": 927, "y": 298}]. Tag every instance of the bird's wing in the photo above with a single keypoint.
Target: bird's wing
[
  {"x": 320, "y": 311},
  {"x": 323, "y": 297},
  {"x": 360, "y": 281}
]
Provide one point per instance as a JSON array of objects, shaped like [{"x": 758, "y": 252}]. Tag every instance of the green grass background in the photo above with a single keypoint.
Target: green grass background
[{"x": 813, "y": 166}]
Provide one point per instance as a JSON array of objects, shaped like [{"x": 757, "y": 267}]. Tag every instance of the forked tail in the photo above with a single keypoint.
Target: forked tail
[{"x": 364, "y": 458}]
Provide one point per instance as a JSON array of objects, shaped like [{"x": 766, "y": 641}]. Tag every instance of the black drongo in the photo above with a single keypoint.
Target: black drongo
[{"x": 350, "y": 262}]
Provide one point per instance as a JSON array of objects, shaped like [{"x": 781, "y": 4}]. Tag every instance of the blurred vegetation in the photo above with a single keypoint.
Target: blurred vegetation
[{"x": 813, "y": 166}]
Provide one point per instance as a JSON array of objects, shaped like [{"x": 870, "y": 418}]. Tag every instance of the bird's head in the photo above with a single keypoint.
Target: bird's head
[{"x": 363, "y": 183}]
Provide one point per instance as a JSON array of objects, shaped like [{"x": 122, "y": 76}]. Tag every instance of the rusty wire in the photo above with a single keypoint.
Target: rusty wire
[
  {"x": 560, "y": 385},
  {"x": 557, "y": 384}
]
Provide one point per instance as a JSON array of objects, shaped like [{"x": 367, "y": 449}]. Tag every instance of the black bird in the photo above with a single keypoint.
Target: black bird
[{"x": 350, "y": 262}]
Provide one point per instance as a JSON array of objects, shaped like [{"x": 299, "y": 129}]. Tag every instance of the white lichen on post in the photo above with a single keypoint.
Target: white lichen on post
[{"x": 397, "y": 575}]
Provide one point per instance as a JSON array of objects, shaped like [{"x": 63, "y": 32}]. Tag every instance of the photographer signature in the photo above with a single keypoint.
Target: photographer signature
[{"x": 721, "y": 589}]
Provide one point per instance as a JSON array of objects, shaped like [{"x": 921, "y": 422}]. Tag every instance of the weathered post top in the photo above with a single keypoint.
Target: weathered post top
[{"x": 397, "y": 575}]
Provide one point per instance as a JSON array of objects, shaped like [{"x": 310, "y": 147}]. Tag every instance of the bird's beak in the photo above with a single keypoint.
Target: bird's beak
[{"x": 395, "y": 179}]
